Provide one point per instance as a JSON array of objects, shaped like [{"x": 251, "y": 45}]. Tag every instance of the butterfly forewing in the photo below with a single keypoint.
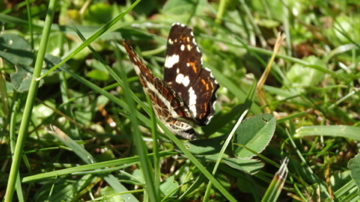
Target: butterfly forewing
[{"x": 186, "y": 76}]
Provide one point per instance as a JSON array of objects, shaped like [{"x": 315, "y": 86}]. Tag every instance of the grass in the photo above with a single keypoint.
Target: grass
[{"x": 84, "y": 130}]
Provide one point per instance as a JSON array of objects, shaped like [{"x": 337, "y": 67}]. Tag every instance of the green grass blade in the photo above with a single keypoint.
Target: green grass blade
[
  {"x": 14, "y": 114},
  {"x": 140, "y": 147},
  {"x": 277, "y": 183},
  {"x": 351, "y": 132},
  {"x": 101, "y": 167},
  {"x": 29, "y": 102}
]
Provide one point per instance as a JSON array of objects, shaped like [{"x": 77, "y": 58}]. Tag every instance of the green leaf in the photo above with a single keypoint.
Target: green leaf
[
  {"x": 15, "y": 50},
  {"x": 98, "y": 75},
  {"x": 205, "y": 146},
  {"x": 354, "y": 166},
  {"x": 21, "y": 79},
  {"x": 170, "y": 186},
  {"x": 254, "y": 133},
  {"x": 179, "y": 7},
  {"x": 250, "y": 166},
  {"x": 209, "y": 150},
  {"x": 99, "y": 13},
  {"x": 110, "y": 195},
  {"x": 304, "y": 76}
]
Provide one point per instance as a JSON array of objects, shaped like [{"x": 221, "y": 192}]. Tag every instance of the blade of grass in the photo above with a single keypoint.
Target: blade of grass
[
  {"x": 156, "y": 160},
  {"x": 95, "y": 167},
  {"x": 265, "y": 75},
  {"x": 351, "y": 132},
  {"x": 29, "y": 14},
  {"x": 220, "y": 13},
  {"x": 253, "y": 23},
  {"x": 346, "y": 97},
  {"x": 74, "y": 125},
  {"x": 29, "y": 102},
  {"x": 277, "y": 183},
  {"x": 3, "y": 94},
  {"x": 287, "y": 28},
  {"x": 346, "y": 189},
  {"x": 69, "y": 142},
  {"x": 12, "y": 130},
  {"x": 141, "y": 148}
]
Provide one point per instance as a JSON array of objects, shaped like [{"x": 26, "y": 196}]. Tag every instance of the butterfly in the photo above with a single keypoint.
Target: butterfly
[{"x": 186, "y": 96}]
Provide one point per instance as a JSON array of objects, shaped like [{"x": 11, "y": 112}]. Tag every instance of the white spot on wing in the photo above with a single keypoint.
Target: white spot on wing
[
  {"x": 192, "y": 102},
  {"x": 171, "y": 60},
  {"x": 179, "y": 78},
  {"x": 186, "y": 81},
  {"x": 211, "y": 75},
  {"x": 182, "y": 47},
  {"x": 194, "y": 42},
  {"x": 137, "y": 69}
]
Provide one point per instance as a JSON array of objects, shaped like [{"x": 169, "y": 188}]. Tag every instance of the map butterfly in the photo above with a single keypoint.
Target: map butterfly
[{"x": 185, "y": 98}]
